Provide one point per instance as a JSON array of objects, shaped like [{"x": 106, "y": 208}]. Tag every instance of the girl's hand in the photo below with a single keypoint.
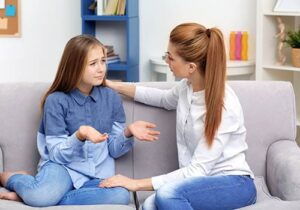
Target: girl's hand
[
  {"x": 86, "y": 132},
  {"x": 142, "y": 130},
  {"x": 119, "y": 181}
]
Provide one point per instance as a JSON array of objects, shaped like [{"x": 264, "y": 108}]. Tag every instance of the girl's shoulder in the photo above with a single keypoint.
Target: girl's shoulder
[
  {"x": 107, "y": 90},
  {"x": 57, "y": 97}
]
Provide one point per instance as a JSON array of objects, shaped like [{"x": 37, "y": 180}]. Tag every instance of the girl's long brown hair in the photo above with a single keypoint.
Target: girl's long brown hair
[
  {"x": 72, "y": 64},
  {"x": 205, "y": 47}
]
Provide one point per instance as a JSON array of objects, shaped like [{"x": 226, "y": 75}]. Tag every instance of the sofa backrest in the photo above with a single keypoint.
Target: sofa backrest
[
  {"x": 270, "y": 115},
  {"x": 20, "y": 116},
  {"x": 269, "y": 112}
]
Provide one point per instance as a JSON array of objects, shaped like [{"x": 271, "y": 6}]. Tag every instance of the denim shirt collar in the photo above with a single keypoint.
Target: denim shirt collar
[{"x": 81, "y": 99}]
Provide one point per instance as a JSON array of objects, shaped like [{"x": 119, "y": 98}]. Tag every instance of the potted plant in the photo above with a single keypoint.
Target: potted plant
[{"x": 293, "y": 40}]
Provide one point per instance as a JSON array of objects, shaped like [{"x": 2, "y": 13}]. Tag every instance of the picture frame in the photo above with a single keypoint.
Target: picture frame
[
  {"x": 10, "y": 18},
  {"x": 287, "y": 6}
]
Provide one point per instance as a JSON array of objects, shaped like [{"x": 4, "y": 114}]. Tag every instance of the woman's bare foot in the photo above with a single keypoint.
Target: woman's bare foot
[
  {"x": 4, "y": 176},
  {"x": 12, "y": 196}
]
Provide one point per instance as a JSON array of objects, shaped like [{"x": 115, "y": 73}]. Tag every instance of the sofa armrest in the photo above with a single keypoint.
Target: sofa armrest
[{"x": 283, "y": 170}]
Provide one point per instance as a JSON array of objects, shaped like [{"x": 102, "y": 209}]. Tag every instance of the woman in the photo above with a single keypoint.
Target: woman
[
  {"x": 82, "y": 131},
  {"x": 210, "y": 129}
]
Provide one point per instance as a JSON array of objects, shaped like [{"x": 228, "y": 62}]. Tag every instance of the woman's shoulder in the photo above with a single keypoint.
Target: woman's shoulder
[
  {"x": 182, "y": 85},
  {"x": 231, "y": 100}
]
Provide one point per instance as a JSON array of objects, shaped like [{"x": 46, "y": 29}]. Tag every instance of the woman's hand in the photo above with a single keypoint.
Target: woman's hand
[
  {"x": 123, "y": 88},
  {"x": 142, "y": 130},
  {"x": 86, "y": 132},
  {"x": 109, "y": 83},
  {"x": 119, "y": 181}
]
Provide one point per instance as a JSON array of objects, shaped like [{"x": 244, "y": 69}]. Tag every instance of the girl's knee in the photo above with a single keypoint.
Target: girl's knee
[
  {"x": 38, "y": 199},
  {"x": 122, "y": 196}
]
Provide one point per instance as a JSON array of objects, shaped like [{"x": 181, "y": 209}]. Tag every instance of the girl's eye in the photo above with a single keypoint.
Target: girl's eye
[
  {"x": 93, "y": 64},
  {"x": 103, "y": 61}
]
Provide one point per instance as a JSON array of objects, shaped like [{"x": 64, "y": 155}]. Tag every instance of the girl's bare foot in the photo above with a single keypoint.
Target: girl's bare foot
[
  {"x": 12, "y": 196},
  {"x": 4, "y": 176}
]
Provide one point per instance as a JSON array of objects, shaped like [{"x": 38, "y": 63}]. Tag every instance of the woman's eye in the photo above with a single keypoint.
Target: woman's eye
[
  {"x": 93, "y": 64},
  {"x": 103, "y": 60}
]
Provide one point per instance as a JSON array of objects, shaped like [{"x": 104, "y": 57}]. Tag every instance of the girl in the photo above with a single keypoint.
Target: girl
[
  {"x": 82, "y": 131},
  {"x": 210, "y": 129}
]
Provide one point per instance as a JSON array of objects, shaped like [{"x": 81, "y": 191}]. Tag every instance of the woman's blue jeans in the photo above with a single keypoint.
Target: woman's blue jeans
[
  {"x": 53, "y": 186},
  {"x": 204, "y": 193}
]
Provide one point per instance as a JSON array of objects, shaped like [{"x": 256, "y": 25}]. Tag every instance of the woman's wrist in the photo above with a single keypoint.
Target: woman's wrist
[{"x": 143, "y": 184}]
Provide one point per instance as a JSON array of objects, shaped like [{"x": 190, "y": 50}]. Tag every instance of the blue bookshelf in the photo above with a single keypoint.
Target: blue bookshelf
[{"x": 126, "y": 70}]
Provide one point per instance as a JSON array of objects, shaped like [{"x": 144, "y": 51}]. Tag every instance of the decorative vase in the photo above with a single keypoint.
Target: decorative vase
[{"x": 296, "y": 57}]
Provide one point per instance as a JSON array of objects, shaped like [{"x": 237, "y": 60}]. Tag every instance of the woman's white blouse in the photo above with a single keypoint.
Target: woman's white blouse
[{"x": 227, "y": 154}]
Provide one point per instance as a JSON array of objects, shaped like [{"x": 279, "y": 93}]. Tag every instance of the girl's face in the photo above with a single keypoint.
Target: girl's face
[
  {"x": 95, "y": 70},
  {"x": 177, "y": 65}
]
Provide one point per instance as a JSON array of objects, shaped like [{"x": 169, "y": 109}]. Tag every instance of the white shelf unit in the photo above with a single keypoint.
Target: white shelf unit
[
  {"x": 234, "y": 69},
  {"x": 266, "y": 49}
]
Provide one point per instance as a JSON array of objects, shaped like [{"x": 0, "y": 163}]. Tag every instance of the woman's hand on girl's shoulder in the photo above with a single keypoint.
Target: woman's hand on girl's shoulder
[
  {"x": 109, "y": 83},
  {"x": 142, "y": 130},
  {"x": 86, "y": 132}
]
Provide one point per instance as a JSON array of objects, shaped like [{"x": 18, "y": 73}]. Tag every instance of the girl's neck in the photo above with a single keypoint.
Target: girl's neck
[{"x": 85, "y": 90}]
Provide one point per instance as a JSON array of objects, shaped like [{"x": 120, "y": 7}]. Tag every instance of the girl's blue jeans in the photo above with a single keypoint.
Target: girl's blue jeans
[
  {"x": 53, "y": 186},
  {"x": 204, "y": 193}
]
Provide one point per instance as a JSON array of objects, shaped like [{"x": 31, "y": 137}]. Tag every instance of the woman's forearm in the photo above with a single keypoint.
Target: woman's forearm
[
  {"x": 125, "y": 89},
  {"x": 143, "y": 184}
]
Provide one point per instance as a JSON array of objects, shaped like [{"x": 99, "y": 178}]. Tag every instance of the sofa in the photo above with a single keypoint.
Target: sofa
[{"x": 270, "y": 119}]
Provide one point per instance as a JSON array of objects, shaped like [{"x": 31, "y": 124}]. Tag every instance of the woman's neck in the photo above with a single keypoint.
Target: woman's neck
[{"x": 197, "y": 82}]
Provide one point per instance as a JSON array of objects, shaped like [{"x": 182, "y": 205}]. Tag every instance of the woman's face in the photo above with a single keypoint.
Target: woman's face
[
  {"x": 177, "y": 65},
  {"x": 95, "y": 69}
]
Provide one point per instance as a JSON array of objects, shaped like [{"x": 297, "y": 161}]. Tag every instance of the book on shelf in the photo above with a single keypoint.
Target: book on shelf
[
  {"x": 111, "y": 7},
  {"x": 121, "y": 7},
  {"x": 100, "y": 6},
  {"x": 111, "y": 56},
  {"x": 114, "y": 56},
  {"x": 115, "y": 60}
]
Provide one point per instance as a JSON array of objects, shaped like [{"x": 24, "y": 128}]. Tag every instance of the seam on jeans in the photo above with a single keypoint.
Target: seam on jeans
[
  {"x": 252, "y": 200},
  {"x": 71, "y": 194}
]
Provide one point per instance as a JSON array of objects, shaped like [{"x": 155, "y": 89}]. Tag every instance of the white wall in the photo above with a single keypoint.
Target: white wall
[
  {"x": 158, "y": 18},
  {"x": 46, "y": 26}
]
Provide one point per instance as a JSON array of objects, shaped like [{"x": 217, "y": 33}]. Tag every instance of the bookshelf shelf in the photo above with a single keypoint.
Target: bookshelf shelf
[
  {"x": 119, "y": 31},
  {"x": 234, "y": 68},
  {"x": 293, "y": 14},
  {"x": 104, "y": 18}
]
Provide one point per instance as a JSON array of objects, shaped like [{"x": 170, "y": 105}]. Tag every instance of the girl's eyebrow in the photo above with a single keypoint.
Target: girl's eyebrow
[{"x": 93, "y": 60}]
